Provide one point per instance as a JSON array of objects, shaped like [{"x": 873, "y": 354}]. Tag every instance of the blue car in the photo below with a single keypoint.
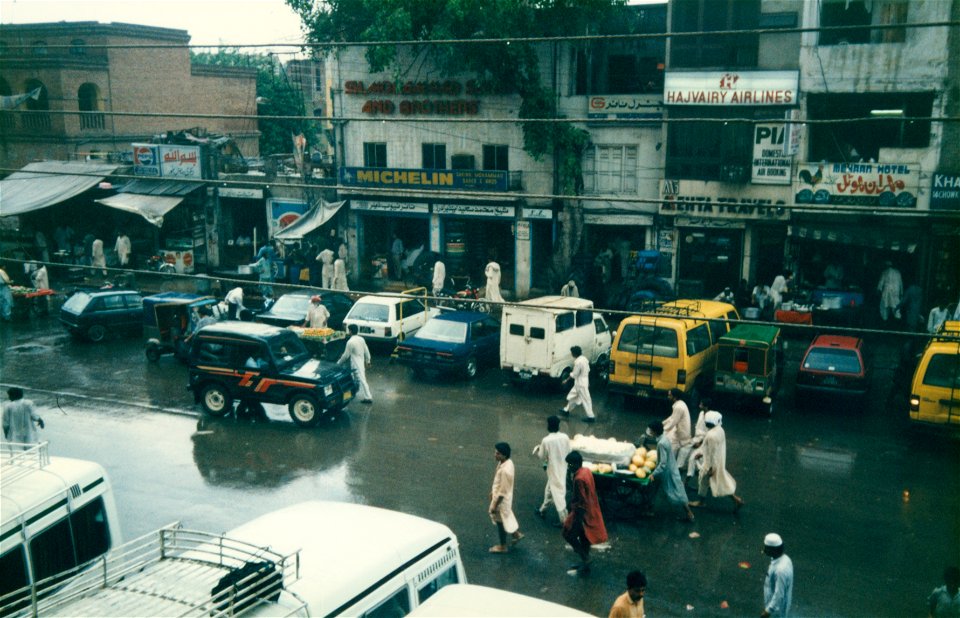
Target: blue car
[{"x": 454, "y": 342}]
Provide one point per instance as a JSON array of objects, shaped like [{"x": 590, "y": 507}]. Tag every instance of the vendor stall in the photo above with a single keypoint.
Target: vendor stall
[
  {"x": 30, "y": 301},
  {"x": 323, "y": 343},
  {"x": 621, "y": 475}
]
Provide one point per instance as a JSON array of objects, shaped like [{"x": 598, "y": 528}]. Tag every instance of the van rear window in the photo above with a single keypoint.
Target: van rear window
[
  {"x": 698, "y": 339},
  {"x": 516, "y": 329},
  {"x": 565, "y": 321},
  {"x": 943, "y": 370},
  {"x": 650, "y": 340},
  {"x": 537, "y": 333},
  {"x": 584, "y": 317}
]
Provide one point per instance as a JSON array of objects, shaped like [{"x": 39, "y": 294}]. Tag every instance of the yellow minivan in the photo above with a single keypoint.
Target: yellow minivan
[
  {"x": 935, "y": 390},
  {"x": 676, "y": 346}
]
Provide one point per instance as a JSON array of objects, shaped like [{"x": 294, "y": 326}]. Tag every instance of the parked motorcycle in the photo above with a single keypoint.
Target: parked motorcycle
[{"x": 466, "y": 299}]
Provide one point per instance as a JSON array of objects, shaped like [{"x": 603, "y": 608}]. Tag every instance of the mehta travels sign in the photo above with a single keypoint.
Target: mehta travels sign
[{"x": 745, "y": 88}]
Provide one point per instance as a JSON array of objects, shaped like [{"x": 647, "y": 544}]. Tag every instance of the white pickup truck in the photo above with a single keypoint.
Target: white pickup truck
[{"x": 537, "y": 334}]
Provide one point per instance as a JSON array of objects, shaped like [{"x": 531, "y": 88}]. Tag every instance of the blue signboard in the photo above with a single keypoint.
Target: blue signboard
[{"x": 381, "y": 177}]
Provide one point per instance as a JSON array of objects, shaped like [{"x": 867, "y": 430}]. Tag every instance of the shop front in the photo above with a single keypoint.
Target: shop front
[
  {"x": 242, "y": 218},
  {"x": 724, "y": 234},
  {"x": 377, "y": 222}
]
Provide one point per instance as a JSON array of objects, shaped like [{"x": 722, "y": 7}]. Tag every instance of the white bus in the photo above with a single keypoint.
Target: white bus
[
  {"x": 58, "y": 514},
  {"x": 310, "y": 559}
]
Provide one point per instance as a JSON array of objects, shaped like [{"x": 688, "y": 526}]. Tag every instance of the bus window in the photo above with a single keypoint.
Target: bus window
[
  {"x": 51, "y": 551},
  {"x": 91, "y": 532},
  {"x": 448, "y": 576},
  {"x": 13, "y": 570},
  {"x": 396, "y": 606}
]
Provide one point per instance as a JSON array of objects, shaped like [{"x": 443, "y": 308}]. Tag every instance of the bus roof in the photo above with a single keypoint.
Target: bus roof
[{"x": 347, "y": 547}]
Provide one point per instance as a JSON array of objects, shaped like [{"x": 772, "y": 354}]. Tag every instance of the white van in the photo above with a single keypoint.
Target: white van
[
  {"x": 310, "y": 559},
  {"x": 536, "y": 336},
  {"x": 58, "y": 514},
  {"x": 389, "y": 318},
  {"x": 480, "y": 601}
]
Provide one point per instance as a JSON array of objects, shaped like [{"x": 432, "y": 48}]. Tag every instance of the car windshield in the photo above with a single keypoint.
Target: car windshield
[
  {"x": 646, "y": 339},
  {"x": 288, "y": 351},
  {"x": 291, "y": 303},
  {"x": 369, "y": 312},
  {"x": 444, "y": 330},
  {"x": 833, "y": 360},
  {"x": 78, "y": 302}
]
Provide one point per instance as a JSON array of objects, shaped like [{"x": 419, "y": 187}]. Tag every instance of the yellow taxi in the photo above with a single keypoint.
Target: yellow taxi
[{"x": 935, "y": 389}]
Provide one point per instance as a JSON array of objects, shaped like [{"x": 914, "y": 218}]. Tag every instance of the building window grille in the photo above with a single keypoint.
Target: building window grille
[
  {"x": 711, "y": 50},
  {"x": 434, "y": 156},
  {"x": 860, "y": 15},
  {"x": 88, "y": 100},
  {"x": 496, "y": 157},
  {"x": 374, "y": 154},
  {"x": 611, "y": 169}
]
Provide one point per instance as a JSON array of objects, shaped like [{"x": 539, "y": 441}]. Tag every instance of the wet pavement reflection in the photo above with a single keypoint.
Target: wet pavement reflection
[{"x": 830, "y": 480}]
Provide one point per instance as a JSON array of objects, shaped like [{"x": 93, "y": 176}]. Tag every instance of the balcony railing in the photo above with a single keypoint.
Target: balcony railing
[{"x": 91, "y": 121}]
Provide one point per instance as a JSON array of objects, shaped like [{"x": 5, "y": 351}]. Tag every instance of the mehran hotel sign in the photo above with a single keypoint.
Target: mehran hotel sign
[{"x": 730, "y": 88}]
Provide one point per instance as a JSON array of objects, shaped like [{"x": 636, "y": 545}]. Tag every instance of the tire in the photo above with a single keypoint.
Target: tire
[
  {"x": 97, "y": 333},
  {"x": 470, "y": 368},
  {"x": 603, "y": 369},
  {"x": 216, "y": 400},
  {"x": 153, "y": 354},
  {"x": 304, "y": 410}
]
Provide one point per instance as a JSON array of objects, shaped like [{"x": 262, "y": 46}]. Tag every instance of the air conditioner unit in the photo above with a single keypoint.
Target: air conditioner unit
[{"x": 734, "y": 174}]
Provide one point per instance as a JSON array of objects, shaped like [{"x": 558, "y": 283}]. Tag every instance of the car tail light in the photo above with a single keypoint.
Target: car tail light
[
  {"x": 387, "y": 332},
  {"x": 914, "y": 403},
  {"x": 682, "y": 376}
]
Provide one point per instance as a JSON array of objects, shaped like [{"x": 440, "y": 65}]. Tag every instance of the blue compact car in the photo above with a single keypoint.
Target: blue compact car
[{"x": 455, "y": 342}]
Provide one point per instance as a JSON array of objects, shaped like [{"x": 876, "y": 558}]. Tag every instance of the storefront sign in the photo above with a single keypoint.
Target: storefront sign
[
  {"x": 624, "y": 107},
  {"x": 745, "y": 88},
  {"x": 945, "y": 192},
  {"x": 400, "y": 208},
  {"x": 694, "y": 198},
  {"x": 282, "y": 212},
  {"x": 859, "y": 184},
  {"x": 167, "y": 160},
  {"x": 470, "y": 180},
  {"x": 617, "y": 219},
  {"x": 771, "y": 166},
  {"x": 794, "y": 133},
  {"x": 523, "y": 230},
  {"x": 475, "y": 210},
  {"x": 536, "y": 213},
  {"x": 241, "y": 193},
  {"x": 728, "y": 224},
  {"x": 180, "y": 161},
  {"x": 146, "y": 160},
  {"x": 416, "y": 106}
]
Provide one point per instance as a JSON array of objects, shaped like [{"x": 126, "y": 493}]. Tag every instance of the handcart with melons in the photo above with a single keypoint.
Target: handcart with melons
[
  {"x": 323, "y": 343},
  {"x": 621, "y": 472}
]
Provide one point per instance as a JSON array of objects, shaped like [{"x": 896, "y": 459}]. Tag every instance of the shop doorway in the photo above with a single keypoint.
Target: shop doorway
[
  {"x": 468, "y": 244},
  {"x": 708, "y": 261},
  {"x": 413, "y": 232}
]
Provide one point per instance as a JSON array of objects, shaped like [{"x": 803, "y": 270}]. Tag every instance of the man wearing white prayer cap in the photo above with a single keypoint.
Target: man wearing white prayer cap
[
  {"x": 778, "y": 585},
  {"x": 714, "y": 478}
]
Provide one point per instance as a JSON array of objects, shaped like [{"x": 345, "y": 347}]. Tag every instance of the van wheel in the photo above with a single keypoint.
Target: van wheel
[
  {"x": 603, "y": 369},
  {"x": 96, "y": 333},
  {"x": 216, "y": 400},
  {"x": 153, "y": 354},
  {"x": 305, "y": 411},
  {"x": 470, "y": 369}
]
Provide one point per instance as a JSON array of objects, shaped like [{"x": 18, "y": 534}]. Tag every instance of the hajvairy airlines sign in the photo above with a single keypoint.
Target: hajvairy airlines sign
[{"x": 744, "y": 88}]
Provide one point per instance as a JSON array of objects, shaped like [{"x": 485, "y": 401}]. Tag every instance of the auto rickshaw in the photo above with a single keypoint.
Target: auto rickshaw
[
  {"x": 749, "y": 362},
  {"x": 168, "y": 322}
]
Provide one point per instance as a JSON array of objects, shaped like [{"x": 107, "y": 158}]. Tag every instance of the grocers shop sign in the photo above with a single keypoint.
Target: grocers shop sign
[{"x": 433, "y": 98}]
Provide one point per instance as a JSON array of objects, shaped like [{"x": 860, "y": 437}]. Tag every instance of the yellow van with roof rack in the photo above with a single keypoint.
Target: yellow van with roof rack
[
  {"x": 675, "y": 346},
  {"x": 935, "y": 389}
]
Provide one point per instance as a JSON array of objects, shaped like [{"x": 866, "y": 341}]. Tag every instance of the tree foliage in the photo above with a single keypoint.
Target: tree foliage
[{"x": 276, "y": 96}]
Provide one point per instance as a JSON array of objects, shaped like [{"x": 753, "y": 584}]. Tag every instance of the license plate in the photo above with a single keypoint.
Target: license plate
[
  {"x": 347, "y": 396},
  {"x": 644, "y": 394},
  {"x": 366, "y": 329},
  {"x": 526, "y": 375},
  {"x": 830, "y": 381}
]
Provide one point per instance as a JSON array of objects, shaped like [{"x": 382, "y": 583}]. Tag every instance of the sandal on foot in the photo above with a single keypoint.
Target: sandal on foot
[
  {"x": 498, "y": 549},
  {"x": 517, "y": 538}
]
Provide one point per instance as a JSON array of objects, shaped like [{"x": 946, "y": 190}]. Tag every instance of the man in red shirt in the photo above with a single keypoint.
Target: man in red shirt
[{"x": 584, "y": 524}]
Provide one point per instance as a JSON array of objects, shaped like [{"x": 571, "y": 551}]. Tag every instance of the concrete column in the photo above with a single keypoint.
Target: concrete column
[
  {"x": 523, "y": 256},
  {"x": 435, "y": 233}
]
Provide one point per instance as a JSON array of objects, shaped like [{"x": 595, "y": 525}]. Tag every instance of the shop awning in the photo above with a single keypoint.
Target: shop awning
[
  {"x": 894, "y": 240},
  {"x": 151, "y": 186},
  {"x": 46, "y": 183},
  {"x": 150, "y": 207},
  {"x": 312, "y": 219}
]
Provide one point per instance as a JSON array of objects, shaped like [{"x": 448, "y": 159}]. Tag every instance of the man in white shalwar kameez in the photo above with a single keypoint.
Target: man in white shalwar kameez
[
  {"x": 357, "y": 354},
  {"x": 778, "y": 584},
  {"x": 689, "y": 456},
  {"x": 439, "y": 276},
  {"x": 97, "y": 257},
  {"x": 501, "y": 500},
  {"x": 317, "y": 313},
  {"x": 579, "y": 395},
  {"x": 553, "y": 451},
  {"x": 492, "y": 291},
  {"x": 890, "y": 287},
  {"x": 340, "y": 276},
  {"x": 20, "y": 420},
  {"x": 325, "y": 257},
  {"x": 714, "y": 478},
  {"x": 122, "y": 247},
  {"x": 676, "y": 427}
]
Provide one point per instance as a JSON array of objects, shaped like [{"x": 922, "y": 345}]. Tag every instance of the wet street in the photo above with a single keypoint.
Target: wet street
[{"x": 869, "y": 509}]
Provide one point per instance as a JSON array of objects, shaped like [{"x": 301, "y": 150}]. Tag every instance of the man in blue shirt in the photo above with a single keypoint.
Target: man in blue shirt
[{"x": 778, "y": 586}]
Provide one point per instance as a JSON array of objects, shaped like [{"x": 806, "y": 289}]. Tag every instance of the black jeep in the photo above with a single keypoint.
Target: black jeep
[{"x": 257, "y": 363}]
